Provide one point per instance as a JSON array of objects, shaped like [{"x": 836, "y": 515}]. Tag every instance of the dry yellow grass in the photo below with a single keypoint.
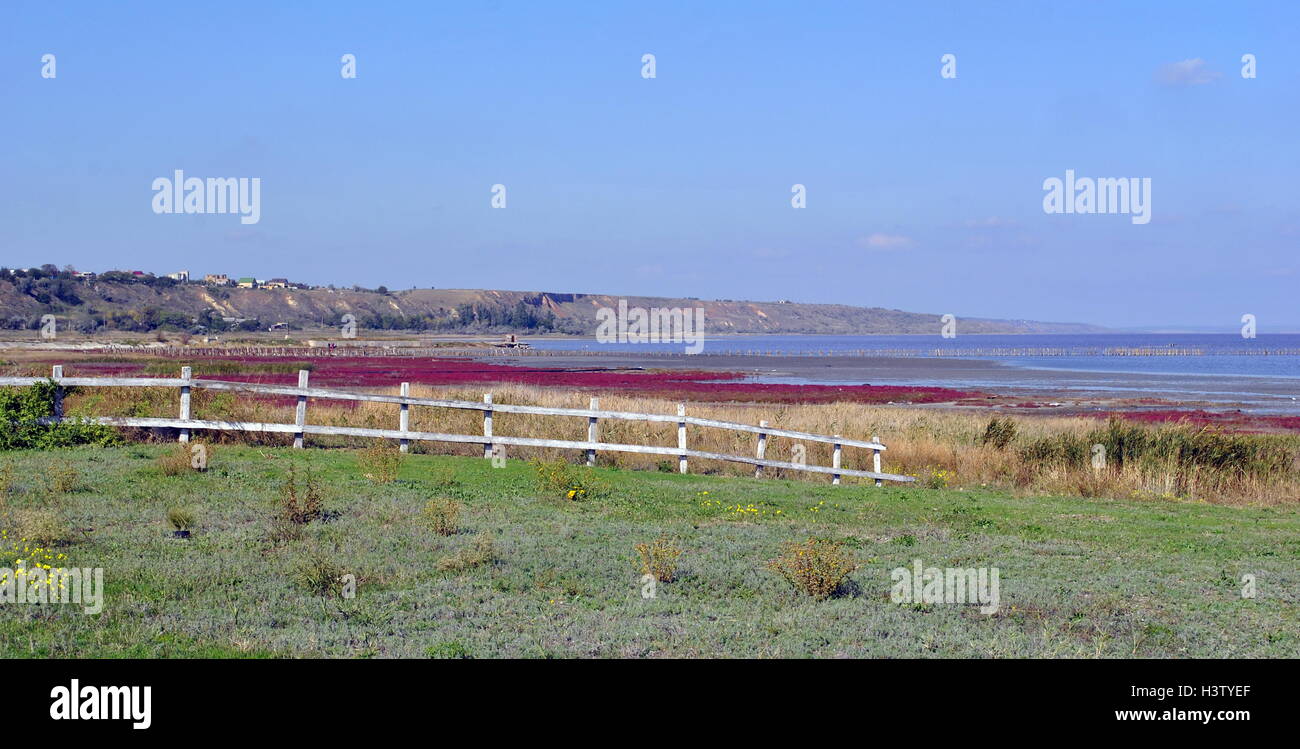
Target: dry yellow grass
[{"x": 942, "y": 448}]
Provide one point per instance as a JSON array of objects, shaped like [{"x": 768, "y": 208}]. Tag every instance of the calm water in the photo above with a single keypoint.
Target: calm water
[{"x": 1223, "y": 354}]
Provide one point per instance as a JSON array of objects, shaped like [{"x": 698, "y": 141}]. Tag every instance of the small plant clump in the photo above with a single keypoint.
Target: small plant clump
[
  {"x": 317, "y": 573},
  {"x": 380, "y": 463},
  {"x": 570, "y": 482},
  {"x": 180, "y": 519},
  {"x": 659, "y": 558},
  {"x": 478, "y": 553},
  {"x": 816, "y": 567},
  {"x": 939, "y": 478},
  {"x": 61, "y": 478},
  {"x": 443, "y": 478},
  {"x": 174, "y": 462},
  {"x": 184, "y": 458},
  {"x": 300, "y": 503},
  {"x": 440, "y": 515}
]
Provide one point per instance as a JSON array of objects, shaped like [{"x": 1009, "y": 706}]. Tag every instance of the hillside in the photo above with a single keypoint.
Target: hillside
[{"x": 149, "y": 303}]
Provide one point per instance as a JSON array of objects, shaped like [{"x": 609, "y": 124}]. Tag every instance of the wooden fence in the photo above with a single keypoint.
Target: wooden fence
[{"x": 300, "y": 428}]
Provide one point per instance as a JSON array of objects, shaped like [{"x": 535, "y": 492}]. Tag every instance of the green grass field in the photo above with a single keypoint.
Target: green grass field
[{"x": 1079, "y": 577}]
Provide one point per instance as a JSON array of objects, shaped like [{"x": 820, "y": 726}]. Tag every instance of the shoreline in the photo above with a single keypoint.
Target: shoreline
[{"x": 1076, "y": 391}]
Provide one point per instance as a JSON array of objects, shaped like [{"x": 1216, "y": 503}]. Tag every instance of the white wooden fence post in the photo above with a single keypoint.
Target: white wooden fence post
[
  {"x": 592, "y": 433},
  {"x": 300, "y": 416},
  {"x": 57, "y": 374},
  {"x": 404, "y": 420},
  {"x": 762, "y": 450},
  {"x": 875, "y": 458},
  {"x": 487, "y": 426},
  {"x": 835, "y": 461},
  {"x": 185, "y": 402},
  {"x": 681, "y": 438}
]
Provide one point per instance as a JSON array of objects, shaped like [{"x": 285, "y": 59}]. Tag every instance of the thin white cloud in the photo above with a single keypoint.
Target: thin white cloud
[
  {"x": 1187, "y": 73},
  {"x": 882, "y": 241}
]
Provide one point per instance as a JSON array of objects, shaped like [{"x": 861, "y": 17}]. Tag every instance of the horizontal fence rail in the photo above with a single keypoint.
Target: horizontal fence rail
[{"x": 300, "y": 428}]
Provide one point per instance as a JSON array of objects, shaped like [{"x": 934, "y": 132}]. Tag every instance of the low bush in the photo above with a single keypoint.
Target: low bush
[
  {"x": 62, "y": 478},
  {"x": 659, "y": 558},
  {"x": 180, "y": 518},
  {"x": 22, "y": 414},
  {"x": 570, "y": 482},
  {"x": 816, "y": 567},
  {"x": 175, "y": 461}
]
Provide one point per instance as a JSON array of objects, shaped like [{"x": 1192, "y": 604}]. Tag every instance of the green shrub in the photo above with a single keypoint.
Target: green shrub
[
  {"x": 61, "y": 478},
  {"x": 569, "y": 482},
  {"x": 22, "y": 410}
]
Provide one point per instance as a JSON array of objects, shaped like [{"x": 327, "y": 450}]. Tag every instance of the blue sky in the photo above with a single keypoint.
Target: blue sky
[{"x": 924, "y": 193}]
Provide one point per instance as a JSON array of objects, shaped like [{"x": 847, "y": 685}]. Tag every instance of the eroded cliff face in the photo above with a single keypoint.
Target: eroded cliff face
[{"x": 575, "y": 311}]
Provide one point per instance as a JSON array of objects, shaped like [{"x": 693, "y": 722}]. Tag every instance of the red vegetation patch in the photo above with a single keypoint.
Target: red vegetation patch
[
  {"x": 676, "y": 385},
  {"x": 1232, "y": 420}
]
